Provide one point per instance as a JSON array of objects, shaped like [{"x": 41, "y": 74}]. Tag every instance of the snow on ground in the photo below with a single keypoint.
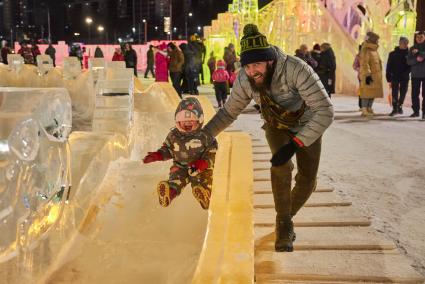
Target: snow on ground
[{"x": 379, "y": 165}]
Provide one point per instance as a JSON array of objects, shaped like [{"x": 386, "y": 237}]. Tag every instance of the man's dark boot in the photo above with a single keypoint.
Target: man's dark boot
[
  {"x": 394, "y": 112},
  {"x": 400, "y": 109},
  {"x": 285, "y": 235}
]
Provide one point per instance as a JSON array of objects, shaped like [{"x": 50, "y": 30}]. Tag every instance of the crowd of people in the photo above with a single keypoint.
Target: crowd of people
[
  {"x": 403, "y": 63},
  {"x": 183, "y": 65},
  {"x": 322, "y": 60},
  {"x": 28, "y": 52}
]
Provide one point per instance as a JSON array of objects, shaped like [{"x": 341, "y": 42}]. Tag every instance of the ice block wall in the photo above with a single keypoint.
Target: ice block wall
[{"x": 34, "y": 165}]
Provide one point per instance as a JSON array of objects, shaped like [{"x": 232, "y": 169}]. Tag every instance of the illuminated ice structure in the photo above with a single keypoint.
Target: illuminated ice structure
[
  {"x": 114, "y": 101},
  {"x": 96, "y": 67},
  {"x": 15, "y": 62},
  {"x": 44, "y": 64},
  {"x": 290, "y": 23},
  {"x": 34, "y": 163}
]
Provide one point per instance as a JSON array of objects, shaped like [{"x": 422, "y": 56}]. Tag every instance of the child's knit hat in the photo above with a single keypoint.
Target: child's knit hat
[
  {"x": 254, "y": 46},
  {"x": 221, "y": 64},
  {"x": 189, "y": 109}
]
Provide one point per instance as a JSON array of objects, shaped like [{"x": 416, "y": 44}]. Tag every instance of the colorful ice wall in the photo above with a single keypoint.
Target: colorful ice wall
[
  {"x": 62, "y": 51},
  {"x": 290, "y": 23}
]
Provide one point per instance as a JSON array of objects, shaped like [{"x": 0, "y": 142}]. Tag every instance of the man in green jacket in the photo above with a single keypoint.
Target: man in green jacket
[{"x": 296, "y": 111}]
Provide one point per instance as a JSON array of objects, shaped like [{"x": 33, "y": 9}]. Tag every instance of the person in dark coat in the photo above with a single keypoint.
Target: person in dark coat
[
  {"x": 35, "y": 52},
  {"x": 197, "y": 48},
  {"x": 305, "y": 55},
  {"x": 130, "y": 56},
  {"x": 230, "y": 58},
  {"x": 416, "y": 60},
  {"x": 397, "y": 74},
  {"x": 5, "y": 50},
  {"x": 327, "y": 67},
  {"x": 51, "y": 51},
  {"x": 190, "y": 70},
  {"x": 200, "y": 50},
  {"x": 150, "y": 62},
  {"x": 98, "y": 53},
  {"x": 211, "y": 65},
  {"x": 315, "y": 53}
]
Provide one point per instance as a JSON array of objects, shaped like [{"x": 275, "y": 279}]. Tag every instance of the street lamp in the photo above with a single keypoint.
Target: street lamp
[
  {"x": 100, "y": 29},
  {"x": 146, "y": 29},
  {"x": 185, "y": 23},
  {"x": 89, "y": 21}
]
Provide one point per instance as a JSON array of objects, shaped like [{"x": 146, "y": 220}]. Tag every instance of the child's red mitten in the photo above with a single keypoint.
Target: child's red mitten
[
  {"x": 152, "y": 157},
  {"x": 199, "y": 165}
]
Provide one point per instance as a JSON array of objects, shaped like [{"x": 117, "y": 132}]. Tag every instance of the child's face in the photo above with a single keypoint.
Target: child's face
[
  {"x": 188, "y": 126},
  {"x": 420, "y": 38}
]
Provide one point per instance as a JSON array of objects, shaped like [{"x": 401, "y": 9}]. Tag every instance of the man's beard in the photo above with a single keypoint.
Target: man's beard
[{"x": 267, "y": 80}]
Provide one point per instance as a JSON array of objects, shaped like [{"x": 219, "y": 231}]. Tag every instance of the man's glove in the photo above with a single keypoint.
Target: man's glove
[
  {"x": 369, "y": 80},
  {"x": 285, "y": 153},
  {"x": 153, "y": 157},
  {"x": 197, "y": 166}
]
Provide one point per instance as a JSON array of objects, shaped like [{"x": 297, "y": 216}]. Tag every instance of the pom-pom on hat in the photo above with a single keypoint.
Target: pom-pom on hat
[{"x": 254, "y": 46}]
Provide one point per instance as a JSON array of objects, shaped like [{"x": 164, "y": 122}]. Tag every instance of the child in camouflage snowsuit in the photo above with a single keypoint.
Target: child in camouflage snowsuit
[{"x": 193, "y": 155}]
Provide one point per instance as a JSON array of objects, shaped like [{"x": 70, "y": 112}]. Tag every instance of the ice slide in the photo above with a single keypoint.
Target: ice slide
[{"x": 113, "y": 231}]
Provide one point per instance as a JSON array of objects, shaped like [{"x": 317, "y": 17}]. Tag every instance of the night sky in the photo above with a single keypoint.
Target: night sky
[{"x": 68, "y": 19}]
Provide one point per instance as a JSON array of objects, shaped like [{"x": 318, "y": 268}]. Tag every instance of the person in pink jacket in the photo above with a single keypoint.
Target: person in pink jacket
[
  {"x": 221, "y": 82},
  {"x": 161, "y": 63}
]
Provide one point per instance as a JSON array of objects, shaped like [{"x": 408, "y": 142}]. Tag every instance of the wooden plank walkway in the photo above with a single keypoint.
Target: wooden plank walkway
[
  {"x": 335, "y": 243},
  {"x": 317, "y": 199}
]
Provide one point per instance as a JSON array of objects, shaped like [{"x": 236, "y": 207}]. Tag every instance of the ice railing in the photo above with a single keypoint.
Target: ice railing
[{"x": 34, "y": 163}]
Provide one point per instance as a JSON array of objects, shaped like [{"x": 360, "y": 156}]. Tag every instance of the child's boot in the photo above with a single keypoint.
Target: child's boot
[
  {"x": 203, "y": 195},
  {"x": 165, "y": 193}
]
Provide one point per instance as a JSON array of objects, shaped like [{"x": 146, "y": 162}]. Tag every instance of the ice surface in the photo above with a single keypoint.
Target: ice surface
[
  {"x": 116, "y": 64},
  {"x": 71, "y": 68}
]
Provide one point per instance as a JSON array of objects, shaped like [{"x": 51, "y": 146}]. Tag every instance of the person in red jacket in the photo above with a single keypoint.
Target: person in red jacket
[
  {"x": 221, "y": 80},
  {"x": 118, "y": 56}
]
